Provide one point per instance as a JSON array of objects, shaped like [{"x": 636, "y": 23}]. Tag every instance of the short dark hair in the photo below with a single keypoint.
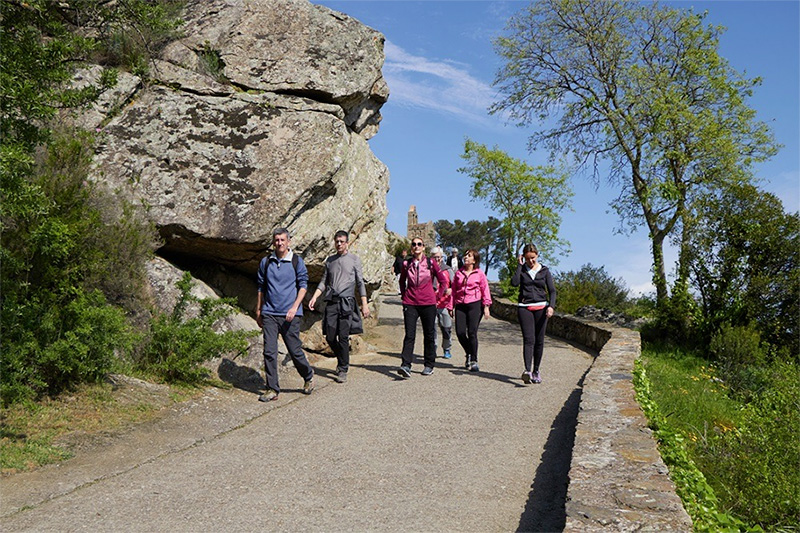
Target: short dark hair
[
  {"x": 342, "y": 233},
  {"x": 476, "y": 256},
  {"x": 281, "y": 231}
]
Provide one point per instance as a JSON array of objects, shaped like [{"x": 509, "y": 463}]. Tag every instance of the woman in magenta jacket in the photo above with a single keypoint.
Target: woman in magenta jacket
[
  {"x": 471, "y": 299},
  {"x": 419, "y": 302}
]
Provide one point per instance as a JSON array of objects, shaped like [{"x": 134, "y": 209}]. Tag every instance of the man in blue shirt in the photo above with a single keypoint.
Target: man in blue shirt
[{"x": 282, "y": 284}]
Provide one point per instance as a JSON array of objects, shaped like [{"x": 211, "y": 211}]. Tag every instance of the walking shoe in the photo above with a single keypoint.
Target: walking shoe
[
  {"x": 473, "y": 367},
  {"x": 467, "y": 364},
  {"x": 447, "y": 354},
  {"x": 526, "y": 378},
  {"x": 427, "y": 371},
  {"x": 268, "y": 396},
  {"x": 536, "y": 377},
  {"x": 404, "y": 371},
  {"x": 308, "y": 386},
  {"x": 340, "y": 377}
]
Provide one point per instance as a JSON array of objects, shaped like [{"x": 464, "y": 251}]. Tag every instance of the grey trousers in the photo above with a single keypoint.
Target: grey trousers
[
  {"x": 446, "y": 326},
  {"x": 273, "y": 325}
]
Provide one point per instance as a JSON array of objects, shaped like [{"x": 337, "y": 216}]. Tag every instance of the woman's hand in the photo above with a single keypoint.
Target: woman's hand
[
  {"x": 521, "y": 259},
  {"x": 486, "y": 311},
  {"x": 550, "y": 312}
]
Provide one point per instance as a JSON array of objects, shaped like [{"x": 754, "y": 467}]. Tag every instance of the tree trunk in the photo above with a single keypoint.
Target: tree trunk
[{"x": 659, "y": 272}]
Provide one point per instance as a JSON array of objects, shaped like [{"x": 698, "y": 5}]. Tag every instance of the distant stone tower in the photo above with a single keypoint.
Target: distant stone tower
[{"x": 424, "y": 231}]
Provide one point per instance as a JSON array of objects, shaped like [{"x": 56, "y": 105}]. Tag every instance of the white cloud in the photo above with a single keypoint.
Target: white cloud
[{"x": 437, "y": 85}]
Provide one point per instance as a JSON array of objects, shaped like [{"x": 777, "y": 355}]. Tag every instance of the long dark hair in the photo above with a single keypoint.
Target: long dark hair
[{"x": 530, "y": 248}]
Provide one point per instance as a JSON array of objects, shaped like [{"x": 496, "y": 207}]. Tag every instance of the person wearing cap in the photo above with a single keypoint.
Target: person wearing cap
[{"x": 282, "y": 284}]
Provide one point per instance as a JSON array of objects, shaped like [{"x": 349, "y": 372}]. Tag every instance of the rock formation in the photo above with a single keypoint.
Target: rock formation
[{"x": 257, "y": 118}]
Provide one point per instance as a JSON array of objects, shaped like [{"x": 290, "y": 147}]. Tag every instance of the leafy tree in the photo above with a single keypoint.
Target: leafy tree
[
  {"x": 66, "y": 247},
  {"x": 643, "y": 88},
  {"x": 530, "y": 199},
  {"x": 590, "y": 286},
  {"x": 745, "y": 264},
  {"x": 483, "y": 236}
]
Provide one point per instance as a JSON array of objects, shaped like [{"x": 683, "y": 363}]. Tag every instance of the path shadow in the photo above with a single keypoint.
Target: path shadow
[
  {"x": 391, "y": 322},
  {"x": 502, "y": 378},
  {"x": 242, "y": 377},
  {"x": 545, "y": 509},
  {"x": 386, "y": 370}
]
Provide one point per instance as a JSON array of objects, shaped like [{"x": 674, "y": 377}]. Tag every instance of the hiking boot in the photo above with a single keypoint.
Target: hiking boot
[
  {"x": 526, "y": 378},
  {"x": 473, "y": 366},
  {"x": 404, "y": 371},
  {"x": 268, "y": 396},
  {"x": 447, "y": 354},
  {"x": 340, "y": 377},
  {"x": 427, "y": 371},
  {"x": 308, "y": 386},
  {"x": 536, "y": 378}
]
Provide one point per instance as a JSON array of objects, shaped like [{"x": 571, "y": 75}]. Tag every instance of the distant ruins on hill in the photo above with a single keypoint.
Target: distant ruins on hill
[{"x": 422, "y": 230}]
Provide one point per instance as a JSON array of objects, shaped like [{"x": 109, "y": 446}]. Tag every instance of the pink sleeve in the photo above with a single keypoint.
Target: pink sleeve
[{"x": 485, "y": 292}]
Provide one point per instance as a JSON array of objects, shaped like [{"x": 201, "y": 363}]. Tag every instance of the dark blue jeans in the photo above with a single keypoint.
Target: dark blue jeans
[
  {"x": 273, "y": 325},
  {"x": 427, "y": 314}
]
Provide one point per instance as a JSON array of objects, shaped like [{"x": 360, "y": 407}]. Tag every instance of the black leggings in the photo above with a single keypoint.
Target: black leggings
[
  {"x": 468, "y": 318},
  {"x": 532, "y": 324},
  {"x": 427, "y": 315}
]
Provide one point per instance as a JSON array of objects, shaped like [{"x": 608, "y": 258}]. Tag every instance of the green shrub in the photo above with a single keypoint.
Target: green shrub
[
  {"x": 590, "y": 286},
  {"x": 59, "y": 252},
  {"x": 737, "y": 349},
  {"x": 176, "y": 346},
  {"x": 74, "y": 343}
]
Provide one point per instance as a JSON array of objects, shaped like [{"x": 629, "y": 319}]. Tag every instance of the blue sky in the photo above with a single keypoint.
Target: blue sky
[{"x": 440, "y": 64}]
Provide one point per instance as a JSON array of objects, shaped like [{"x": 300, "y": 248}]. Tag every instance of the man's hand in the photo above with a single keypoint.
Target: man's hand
[
  {"x": 259, "y": 320},
  {"x": 290, "y": 314}
]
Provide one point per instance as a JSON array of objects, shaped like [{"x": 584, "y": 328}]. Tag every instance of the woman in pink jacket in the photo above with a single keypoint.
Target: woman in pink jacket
[
  {"x": 471, "y": 300},
  {"x": 419, "y": 303}
]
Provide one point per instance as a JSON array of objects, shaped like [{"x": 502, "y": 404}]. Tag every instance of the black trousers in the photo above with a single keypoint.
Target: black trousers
[
  {"x": 468, "y": 318},
  {"x": 532, "y": 324},
  {"x": 337, "y": 333},
  {"x": 427, "y": 314}
]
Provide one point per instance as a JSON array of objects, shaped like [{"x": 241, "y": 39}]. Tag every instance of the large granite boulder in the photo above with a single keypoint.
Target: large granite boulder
[
  {"x": 257, "y": 118},
  {"x": 275, "y": 136}
]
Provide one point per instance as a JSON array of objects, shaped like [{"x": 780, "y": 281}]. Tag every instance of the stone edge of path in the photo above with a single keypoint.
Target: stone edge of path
[{"x": 617, "y": 479}]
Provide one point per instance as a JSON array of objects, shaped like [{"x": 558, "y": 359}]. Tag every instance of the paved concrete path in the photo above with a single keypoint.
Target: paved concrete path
[{"x": 454, "y": 451}]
